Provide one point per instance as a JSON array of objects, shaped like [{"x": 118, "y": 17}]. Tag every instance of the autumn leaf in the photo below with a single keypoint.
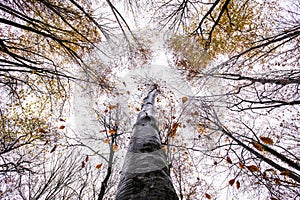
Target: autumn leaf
[
  {"x": 285, "y": 173},
  {"x": 99, "y": 166},
  {"x": 112, "y": 132},
  {"x": 111, "y": 107},
  {"x": 277, "y": 181},
  {"x": 115, "y": 147},
  {"x": 207, "y": 196},
  {"x": 184, "y": 99},
  {"x": 273, "y": 198},
  {"x": 83, "y": 164},
  {"x": 106, "y": 140},
  {"x": 62, "y": 127},
  {"x": 241, "y": 165},
  {"x": 253, "y": 168},
  {"x": 62, "y": 120},
  {"x": 257, "y": 146},
  {"x": 228, "y": 159},
  {"x": 231, "y": 182},
  {"x": 41, "y": 130},
  {"x": 87, "y": 158},
  {"x": 238, "y": 185},
  {"x": 173, "y": 130},
  {"x": 266, "y": 140}
]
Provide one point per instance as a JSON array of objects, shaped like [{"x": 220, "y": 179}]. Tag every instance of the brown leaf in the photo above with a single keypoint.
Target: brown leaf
[
  {"x": 41, "y": 130},
  {"x": 83, "y": 164},
  {"x": 87, "y": 158},
  {"x": 238, "y": 185},
  {"x": 62, "y": 127},
  {"x": 277, "y": 181},
  {"x": 99, "y": 166},
  {"x": 231, "y": 182},
  {"x": 62, "y": 120},
  {"x": 285, "y": 173},
  {"x": 253, "y": 168},
  {"x": 266, "y": 140},
  {"x": 184, "y": 99},
  {"x": 257, "y": 146},
  {"x": 228, "y": 159},
  {"x": 241, "y": 165},
  {"x": 207, "y": 196},
  {"x": 173, "y": 130}
]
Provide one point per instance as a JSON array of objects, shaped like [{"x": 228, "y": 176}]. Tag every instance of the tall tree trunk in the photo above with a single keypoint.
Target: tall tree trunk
[{"x": 145, "y": 174}]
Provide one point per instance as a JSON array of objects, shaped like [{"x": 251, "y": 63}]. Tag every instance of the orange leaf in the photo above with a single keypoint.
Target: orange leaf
[
  {"x": 115, "y": 147},
  {"x": 266, "y": 140},
  {"x": 253, "y": 168},
  {"x": 99, "y": 166},
  {"x": 238, "y": 185},
  {"x": 106, "y": 140},
  {"x": 228, "y": 159},
  {"x": 184, "y": 99},
  {"x": 207, "y": 196},
  {"x": 257, "y": 146},
  {"x": 111, "y": 107},
  {"x": 231, "y": 182},
  {"x": 285, "y": 173},
  {"x": 112, "y": 132}
]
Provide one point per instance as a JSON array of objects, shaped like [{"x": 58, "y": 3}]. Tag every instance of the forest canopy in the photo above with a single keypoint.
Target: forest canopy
[{"x": 73, "y": 75}]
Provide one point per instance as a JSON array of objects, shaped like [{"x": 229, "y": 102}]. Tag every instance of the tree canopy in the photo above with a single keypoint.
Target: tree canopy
[{"x": 73, "y": 75}]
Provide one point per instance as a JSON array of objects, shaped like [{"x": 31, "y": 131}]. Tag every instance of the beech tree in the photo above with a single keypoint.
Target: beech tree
[{"x": 146, "y": 174}]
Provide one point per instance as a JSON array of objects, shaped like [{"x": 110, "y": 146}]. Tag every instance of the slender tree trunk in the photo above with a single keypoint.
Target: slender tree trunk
[{"x": 145, "y": 174}]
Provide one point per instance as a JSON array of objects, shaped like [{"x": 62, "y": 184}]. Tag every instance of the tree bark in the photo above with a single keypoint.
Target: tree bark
[{"x": 145, "y": 173}]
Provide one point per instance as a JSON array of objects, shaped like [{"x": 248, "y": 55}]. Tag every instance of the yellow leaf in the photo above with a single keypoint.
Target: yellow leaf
[
  {"x": 253, "y": 168},
  {"x": 99, "y": 166},
  {"x": 266, "y": 140},
  {"x": 184, "y": 99}
]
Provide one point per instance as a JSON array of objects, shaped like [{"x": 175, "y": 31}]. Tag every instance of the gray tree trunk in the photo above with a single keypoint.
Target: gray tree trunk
[{"x": 145, "y": 174}]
